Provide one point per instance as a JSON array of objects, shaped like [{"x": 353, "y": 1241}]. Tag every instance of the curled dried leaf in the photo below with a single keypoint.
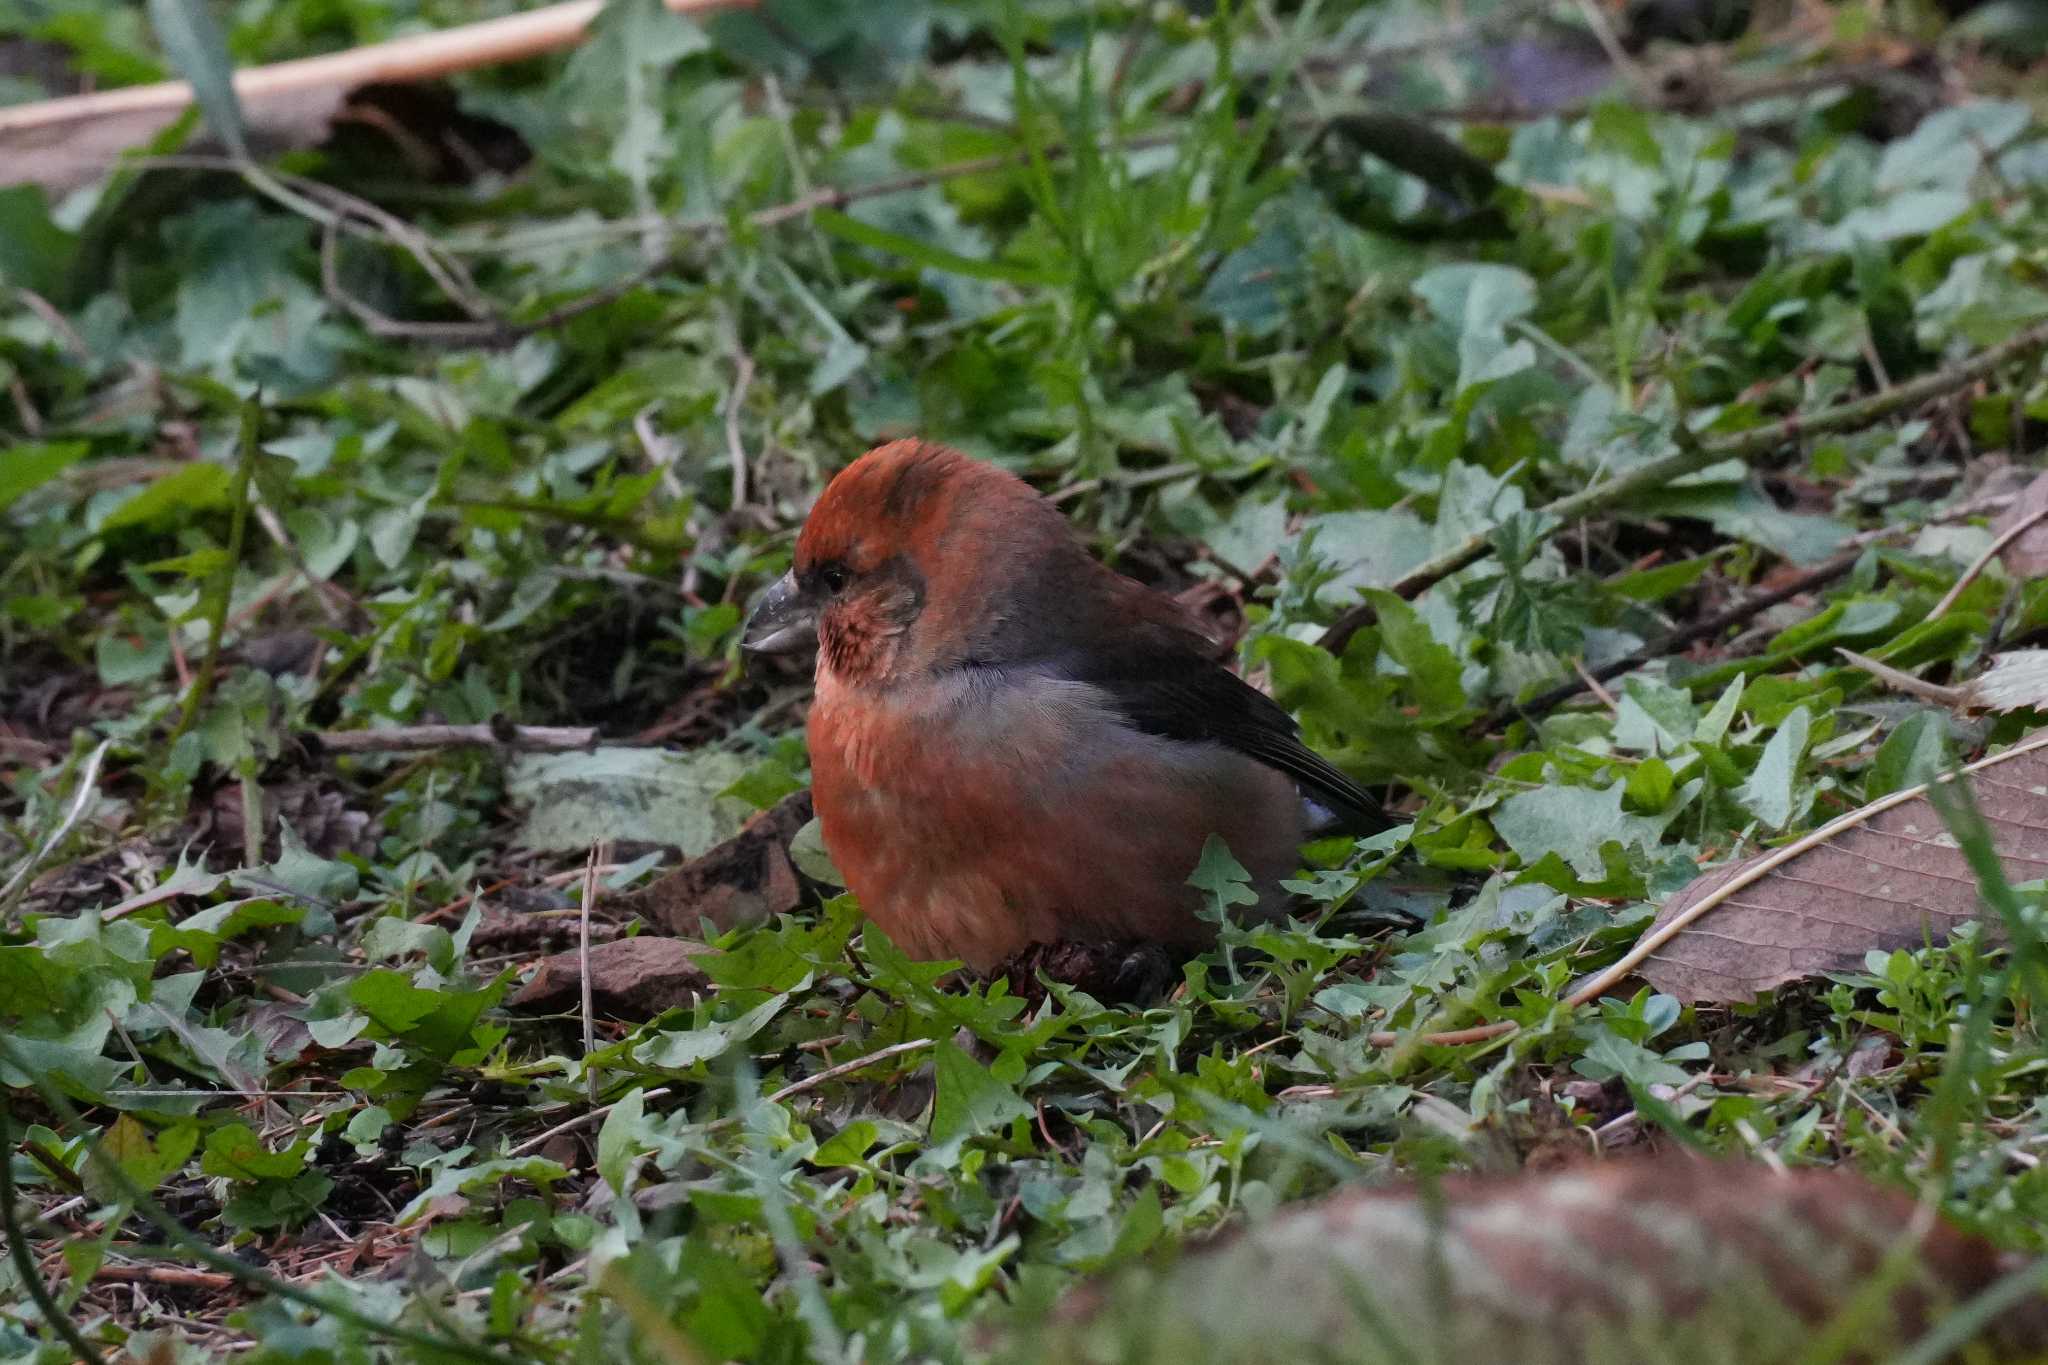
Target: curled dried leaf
[
  {"x": 632, "y": 978},
  {"x": 747, "y": 879}
]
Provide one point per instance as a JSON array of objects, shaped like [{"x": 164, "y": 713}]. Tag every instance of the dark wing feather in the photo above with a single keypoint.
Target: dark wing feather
[{"x": 1163, "y": 688}]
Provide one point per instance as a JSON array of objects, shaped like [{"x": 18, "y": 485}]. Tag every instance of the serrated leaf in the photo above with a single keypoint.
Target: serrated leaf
[
  {"x": 2017, "y": 680},
  {"x": 1575, "y": 823}
]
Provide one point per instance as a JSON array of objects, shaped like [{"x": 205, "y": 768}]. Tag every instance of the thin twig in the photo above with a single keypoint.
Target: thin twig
[
  {"x": 56, "y": 321},
  {"x": 600, "y": 854},
  {"x": 415, "y": 57},
  {"x": 1746, "y": 445},
  {"x": 1593, "y": 684},
  {"x": 1982, "y": 561},
  {"x": 408, "y": 738},
  {"x": 736, "y": 448}
]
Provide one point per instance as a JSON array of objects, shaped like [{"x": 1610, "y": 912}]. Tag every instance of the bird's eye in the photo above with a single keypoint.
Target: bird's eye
[{"x": 834, "y": 577}]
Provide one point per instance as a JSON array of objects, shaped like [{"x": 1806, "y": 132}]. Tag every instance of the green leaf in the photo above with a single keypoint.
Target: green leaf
[
  {"x": 1666, "y": 580},
  {"x": 393, "y": 1003},
  {"x": 1610, "y": 1055},
  {"x": 1916, "y": 752},
  {"x": 1651, "y": 784},
  {"x": 1222, "y": 877},
  {"x": 1256, "y": 287},
  {"x": 623, "y": 1137},
  {"x": 1768, "y": 793},
  {"x": 1435, "y": 679},
  {"x": 615, "y": 81},
  {"x": 573, "y": 800},
  {"x": 237, "y": 1153},
  {"x": 34, "y": 253},
  {"x": 197, "y": 487},
  {"x": 483, "y": 1176},
  {"x": 848, "y": 1145},
  {"x": 764, "y": 784},
  {"x": 682, "y": 1049},
  {"x": 193, "y": 41},
  {"x": 1574, "y": 823},
  {"x": 1713, "y": 726},
  {"x": 970, "y": 1101},
  {"x": 123, "y": 660},
  {"x": 29, "y": 466}
]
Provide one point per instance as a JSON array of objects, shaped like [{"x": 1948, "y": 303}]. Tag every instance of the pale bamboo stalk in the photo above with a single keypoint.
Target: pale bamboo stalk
[{"x": 418, "y": 57}]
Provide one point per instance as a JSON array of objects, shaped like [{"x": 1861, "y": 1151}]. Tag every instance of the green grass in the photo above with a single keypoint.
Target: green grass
[{"x": 487, "y": 465}]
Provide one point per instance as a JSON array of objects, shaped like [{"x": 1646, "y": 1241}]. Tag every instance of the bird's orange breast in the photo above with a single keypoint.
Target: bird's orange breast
[{"x": 987, "y": 811}]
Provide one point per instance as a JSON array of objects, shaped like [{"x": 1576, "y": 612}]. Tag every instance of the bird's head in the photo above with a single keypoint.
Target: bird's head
[{"x": 915, "y": 559}]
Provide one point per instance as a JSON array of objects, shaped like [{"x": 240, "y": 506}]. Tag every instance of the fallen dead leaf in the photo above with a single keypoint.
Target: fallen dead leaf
[
  {"x": 2026, "y": 555},
  {"x": 747, "y": 879},
  {"x": 1661, "y": 1259},
  {"x": 1883, "y": 877},
  {"x": 630, "y": 978}
]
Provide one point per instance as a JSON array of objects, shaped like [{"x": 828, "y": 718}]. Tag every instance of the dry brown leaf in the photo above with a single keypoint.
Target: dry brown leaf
[
  {"x": 745, "y": 880},
  {"x": 2027, "y": 555},
  {"x": 1664, "y": 1259},
  {"x": 1883, "y": 877},
  {"x": 630, "y": 978}
]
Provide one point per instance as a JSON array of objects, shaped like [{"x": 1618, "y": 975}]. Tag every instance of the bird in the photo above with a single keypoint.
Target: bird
[{"x": 1013, "y": 744}]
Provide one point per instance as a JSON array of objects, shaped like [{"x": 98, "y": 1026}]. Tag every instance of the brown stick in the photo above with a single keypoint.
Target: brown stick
[{"x": 1744, "y": 445}]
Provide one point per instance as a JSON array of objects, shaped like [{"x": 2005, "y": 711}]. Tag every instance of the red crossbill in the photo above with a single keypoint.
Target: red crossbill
[{"x": 1011, "y": 743}]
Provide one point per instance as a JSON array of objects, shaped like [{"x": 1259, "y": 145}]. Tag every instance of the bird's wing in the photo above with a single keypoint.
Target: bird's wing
[{"x": 1163, "y": 686}]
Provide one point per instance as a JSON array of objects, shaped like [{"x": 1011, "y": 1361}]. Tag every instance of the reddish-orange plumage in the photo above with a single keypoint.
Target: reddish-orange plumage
[{"x": 1012, "y": 744}]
